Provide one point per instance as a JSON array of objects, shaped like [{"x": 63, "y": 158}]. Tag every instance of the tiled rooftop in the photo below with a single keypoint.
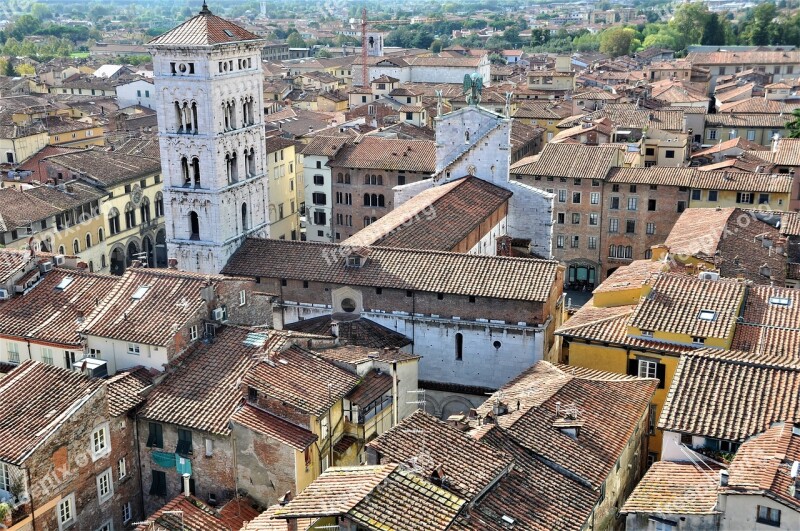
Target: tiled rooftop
[
  {"x": 204, "y": 29},
  {"x": 730, "y": 395},
  {"x": 301, "y": 379},
  {"x": 125, "y": 390},
  {"x": 438, "y": 218},
  {"x": 631, "y": 276},
  {"x": 37, "y": 398},
  {"x": 360, "y": 332},
  {"x": 432, "y": 271},
  {"x": 675, "y": 488},
  {"x": 53, "y": 315},
  {"x": 379, "y": 153},
  {"x": 266, "y": 423},
  {"x": 188, "y": 512},
  {"x": 675, "y": 303},
  {"x": 571, "y": 161},
  {"x": 706, "y": 180}
]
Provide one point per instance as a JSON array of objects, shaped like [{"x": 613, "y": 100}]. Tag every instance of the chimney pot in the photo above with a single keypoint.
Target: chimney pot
[{"x": 186, "y": 490}]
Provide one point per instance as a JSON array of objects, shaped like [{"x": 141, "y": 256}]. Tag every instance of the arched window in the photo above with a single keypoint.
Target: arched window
[
  {"x": 366, "y": 200},
  {"x": 459, "y": 346},
  {"x": 612, "y": 251},
  {"x": 366, "y": 221},
  {"x": 194, "y": 226},
  {"x": 373, "y": 199},
  {"x": 100, "y": 236},
  {"x": 76, "y": 246},
  {"x": 380, "y": 180},
  {"x": 340, "y": 178},
  {"x": 226, "y": 118},
  {"x": 366, "y": 179},
  {"x": 346, "y": 178},
  {"x": 196, "y": 171},
  {"x": 159, "y": 204},
  {"x": 466, "y": 137},
  {"x": 91, "y": 266},
  {"x": 113, "y": 221},
  {"x": 232, "y": 167},
  {"x": 187, "y": 180},
  {"x": 251, "y": 162},
  {"x": 628, "y": 252},
  {"x": 130, "y": 216},
  {"x": 88, "y": 240},
  {"x": 648, "y": 254},
  {"x": 381, "y": 201},
  {"x": 244, "y": 216},
  {"x": 374, "y": 219},
  {"x": 103, "y": 261},
  {"x": 61, "y": 249},
  {"x": 144, "y": 210}
]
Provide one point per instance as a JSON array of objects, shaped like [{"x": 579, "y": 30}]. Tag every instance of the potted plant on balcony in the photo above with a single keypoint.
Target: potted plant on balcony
[{"x": 5, "y": 515}]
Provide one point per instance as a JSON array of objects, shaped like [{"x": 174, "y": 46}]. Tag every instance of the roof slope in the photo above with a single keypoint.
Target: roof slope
[
  {"x": 301, "y": 379},
  {"x": 570, "y": 160},
  {"x": 49, "y": 314},
  {"x": 172, "y": 298},
  {"x": 204, "y": 29},
  {"x": 698, "y": 231},
  {"x": 675, "y": 488},
  {"x": 356, "y": 332},
  {"x": 37, "y": 399},
  {"x": 730, "y": 395},
  {"x": 380, "y": 153},
  {"x": 469, "y": 464},
  {"x": 675, "y": 302},
  {"x": 203, "y": 391},
  {"x": 438, "y": 218},
  {"x": 406, "y": 269}
]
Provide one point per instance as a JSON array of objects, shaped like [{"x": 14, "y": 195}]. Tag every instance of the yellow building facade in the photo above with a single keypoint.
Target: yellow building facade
[{"x": 284, "y": 165}]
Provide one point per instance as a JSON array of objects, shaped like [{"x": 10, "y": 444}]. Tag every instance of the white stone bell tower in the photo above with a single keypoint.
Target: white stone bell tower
[{"x": 209, "y": 91}]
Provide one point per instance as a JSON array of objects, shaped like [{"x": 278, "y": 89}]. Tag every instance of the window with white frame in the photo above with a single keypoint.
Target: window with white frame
[
  {"x": 101, "y": 445},
  {"x": 105, "y": 486},
  {"x": 122, "y": 469},
  {"x": 647, "y": 369},
  {"x": 242, "y": 298},
  {"x": 47, "y": 355},
  {"x": 193, "y": 332},
  {"x": 108, "y": 526},
  {"x": 594, "y": 198},
  {"x": 65, "y": 512},
  {"x": 13, "y": 352},
  {"x": 134, "y": 349},
  {"x": 5, "y": 478},
  {"x": 127, "y": 514}
]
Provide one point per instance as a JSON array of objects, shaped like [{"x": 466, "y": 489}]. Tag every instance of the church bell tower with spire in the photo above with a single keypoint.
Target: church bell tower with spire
[{"x": 209, "y": 91}]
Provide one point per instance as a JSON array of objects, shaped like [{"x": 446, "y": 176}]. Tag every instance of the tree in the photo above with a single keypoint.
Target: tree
[
  {"x": 762, "y": 29},
  {"x": 689, "y": 21},
  {"x": 617, "y": 41},
  {"x": 497, "y": 59},
  {"x": 322, "y": 53},
  {"x": 25, "y": 70},
  {"x": 794, "y": 125},
  {"x": 713, "y": 31},
  {"x": 41, "y": 11},
  {"x": 9, "y": 69},
  {"x": 294, "y": 40},
  {"x": 436, "y": 46}
]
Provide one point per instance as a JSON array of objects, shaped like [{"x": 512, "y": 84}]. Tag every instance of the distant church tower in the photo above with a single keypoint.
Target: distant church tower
[{"x": 209, "y": 90}]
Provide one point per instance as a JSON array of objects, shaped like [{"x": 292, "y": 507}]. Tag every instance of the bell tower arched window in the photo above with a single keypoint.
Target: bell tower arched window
[
  {"x": 187, "y": 180},
  {"x": 194, "y": 226},
  {"x": 244, "y": 217},
  {"x": 251, "y": 162},
  {"x": 196, "y": 172}
]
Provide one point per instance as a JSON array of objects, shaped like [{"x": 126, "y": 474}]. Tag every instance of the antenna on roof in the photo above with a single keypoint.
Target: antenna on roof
[{"x": 205, "y": 10}]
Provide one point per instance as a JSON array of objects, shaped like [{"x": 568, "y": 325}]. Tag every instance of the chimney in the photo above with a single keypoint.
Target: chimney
[
  {"x": 723, "y": 478},
  {"x": 286, "y": 498},
  {"x": 186, "y": 490},
  {"x": 172, "y": 263}
]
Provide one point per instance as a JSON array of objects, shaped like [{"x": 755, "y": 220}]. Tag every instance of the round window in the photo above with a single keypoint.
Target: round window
[
  {"x": 182, "y": 68},
  {"x": 497, "y": 344},
  {"x": 349, "y": 305}
]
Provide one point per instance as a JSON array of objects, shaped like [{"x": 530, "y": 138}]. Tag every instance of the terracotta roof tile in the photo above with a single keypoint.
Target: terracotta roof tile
[
  {"x": 37, "y": 399},
  {"x": 202, "y": 392},
  {"x": 53, "y": 315},
  {"x": 763, "y": 465},
  {"x": 108, "y": 168},
  {"x": 696, "y": 178},
  {"x": 389, "y": 154},
  {"x": 197, "y": 516},
  {"x": 675, "y": 302},
  {"x": 125, "y": 390},
  {"x": 266, "y": 423},
  {"x": 632, "y": 276},
  {"x": 767, "y": 328},
  {"x": 675, "y": 488},
  {"x": 790, "y": 223},
  {"x": 469, "y": 464},
  {"x": 354, "y": 355},
  {"x": 353, "y": 332},
  {"x": 172, "y": 299},
  {"x": 325, "y": 146},
  {"x": 266, "y": 521},
  {"x": 730, "y": 395},
  {"x": 432, "y": 271},
  {"x": 204, "y": 29},
  {"x": 373, "y": 385},
  {"x": 438, "y": 218},
  {"x": 570, "y": 160},
  {"x": 301, "y": 379}
]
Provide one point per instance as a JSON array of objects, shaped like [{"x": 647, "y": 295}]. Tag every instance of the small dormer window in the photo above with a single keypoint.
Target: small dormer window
[
  {"x": 139, "y": 293},
  {"x": 765, "y": 271},
  {"x": 780, "y": 301},
  {"x": 707, "y": 315},
  {"x": 353, "y": 261},
  {"x": 698, "y": 340},
  {"x": 229, "y": 33},
  {"x": 647, "y": 333}
]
